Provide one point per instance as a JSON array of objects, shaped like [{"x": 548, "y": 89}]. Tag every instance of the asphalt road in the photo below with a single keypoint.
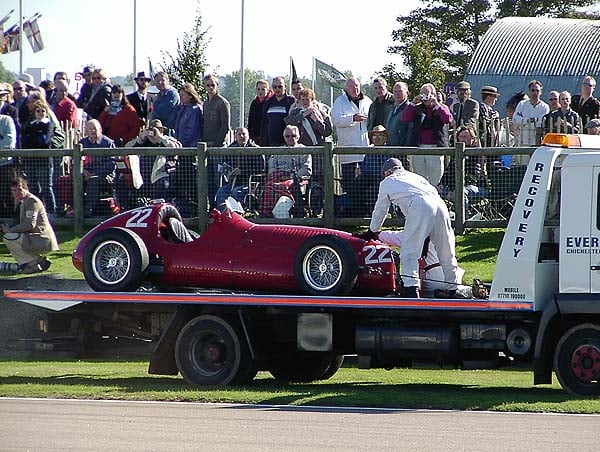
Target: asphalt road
[{"x": 82, "y": 425}]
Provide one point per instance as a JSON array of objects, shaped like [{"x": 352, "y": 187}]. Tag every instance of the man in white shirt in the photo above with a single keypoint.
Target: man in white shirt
[{"x": 528, "y": 117}]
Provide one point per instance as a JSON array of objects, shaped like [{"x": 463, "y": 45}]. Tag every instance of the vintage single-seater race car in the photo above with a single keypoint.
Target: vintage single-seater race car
[{"x": 151, "y": 244}]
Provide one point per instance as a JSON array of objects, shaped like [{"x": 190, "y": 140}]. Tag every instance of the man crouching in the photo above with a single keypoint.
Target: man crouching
[{"x": 33, "y": 235}]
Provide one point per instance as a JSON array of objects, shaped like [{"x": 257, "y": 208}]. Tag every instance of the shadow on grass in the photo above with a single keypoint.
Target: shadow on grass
[{"x": 269, "y": 391}]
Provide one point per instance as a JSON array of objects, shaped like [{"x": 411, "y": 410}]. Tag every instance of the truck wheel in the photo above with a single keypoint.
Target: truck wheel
[
  {"x": 303, "y": 368},
  {"x": 326, "y": 265},
  {"x": 115, "y": 260},
  {"x": 210, "y": 351},
  {"x": 577, "y": 360}
]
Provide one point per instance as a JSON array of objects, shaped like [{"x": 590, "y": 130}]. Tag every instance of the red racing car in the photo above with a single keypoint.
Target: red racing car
[{"x": 151, "y": 244}]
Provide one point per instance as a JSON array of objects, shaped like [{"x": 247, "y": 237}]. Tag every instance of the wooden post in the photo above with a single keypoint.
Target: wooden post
[
  {"x": 459, "y": 188},
  {"x": 328, "y": 186},
  {"x": 77, "y": 178},
  {"x": 202, "y": 184}
]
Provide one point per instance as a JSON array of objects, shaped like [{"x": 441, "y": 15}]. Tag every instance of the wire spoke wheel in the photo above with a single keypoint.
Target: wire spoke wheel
[{"x": 111, "y": 262}]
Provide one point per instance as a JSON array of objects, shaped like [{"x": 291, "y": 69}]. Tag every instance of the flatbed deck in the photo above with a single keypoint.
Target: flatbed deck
[{"x": 57, "y": 300}]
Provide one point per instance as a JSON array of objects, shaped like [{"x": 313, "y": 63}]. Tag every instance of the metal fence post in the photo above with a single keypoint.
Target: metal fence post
[
  {"x": 328, "y": 185},
  {"x": 77, "y": 178},
  {"x": 202, "y": 184},
  {"x": 459, "y": 188}
]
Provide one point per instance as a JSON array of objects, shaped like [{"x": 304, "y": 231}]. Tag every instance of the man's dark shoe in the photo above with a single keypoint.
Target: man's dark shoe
[
  {"x": 411, "y": 292},
  {"x": 45, "y": 264}
]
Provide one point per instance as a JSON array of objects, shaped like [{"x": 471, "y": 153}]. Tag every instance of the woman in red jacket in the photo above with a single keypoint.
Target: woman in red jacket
[{"x": 119, "y": 119}]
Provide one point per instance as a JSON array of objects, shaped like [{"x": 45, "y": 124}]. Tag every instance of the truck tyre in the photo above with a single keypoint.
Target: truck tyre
[
  {"x": 326, "y": 265},
  {"x": 210, "y": 351},
  {"x": 577, "y": 360},
  {"x": 305, "y": 367},
  {"x": 115, "y": 260}
]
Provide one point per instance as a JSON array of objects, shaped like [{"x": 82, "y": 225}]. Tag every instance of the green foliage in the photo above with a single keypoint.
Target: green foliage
[
  {"x": 188, "y": 64},
  {"x": 6, "y": 75},
  {"x": 229, "y": 87},
  {"x": 436, "y": 41}
]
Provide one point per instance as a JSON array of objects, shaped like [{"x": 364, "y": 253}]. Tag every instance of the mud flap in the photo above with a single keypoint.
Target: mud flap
[{"x": 162, "y": 361}]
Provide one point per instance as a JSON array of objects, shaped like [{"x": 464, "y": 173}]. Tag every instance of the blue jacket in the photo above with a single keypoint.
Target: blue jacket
[
  {"x": 100, "y": 165},
  {"x": 189, "y": 124},
  {"x": 164, "y": 107}
]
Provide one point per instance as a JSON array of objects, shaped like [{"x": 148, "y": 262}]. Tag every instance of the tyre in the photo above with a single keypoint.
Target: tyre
[
  {"x": 303, "y": 367},
  {"x": 326, "y": 265},
  {"x": 577, "y": 360},
  {"x": 115, "y": 260},
  {"x": 210, "y": 351}
]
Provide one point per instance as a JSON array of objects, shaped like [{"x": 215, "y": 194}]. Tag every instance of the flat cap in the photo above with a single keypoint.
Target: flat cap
[
  {"x": 463, "y": 85},
  {"x": 391, "y": 164}
]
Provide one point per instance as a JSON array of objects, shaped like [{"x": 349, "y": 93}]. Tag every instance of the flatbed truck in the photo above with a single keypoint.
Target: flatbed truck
[{"x": 543, "y": 306}]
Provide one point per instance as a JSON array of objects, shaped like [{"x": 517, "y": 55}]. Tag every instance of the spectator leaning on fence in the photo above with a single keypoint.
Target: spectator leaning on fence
[
  {"x": 528, "y": 118},
  {"x": 157, "y": 173},
  {"x": 563, "y": 120},
  {"x": 489, "y": 118}
]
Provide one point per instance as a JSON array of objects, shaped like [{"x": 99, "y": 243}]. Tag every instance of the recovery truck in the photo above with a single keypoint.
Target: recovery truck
[{"x": 543, "y": 306}]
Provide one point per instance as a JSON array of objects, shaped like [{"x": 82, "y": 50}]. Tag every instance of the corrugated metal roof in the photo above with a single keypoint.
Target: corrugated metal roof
[{"x": 514, "y": 50}]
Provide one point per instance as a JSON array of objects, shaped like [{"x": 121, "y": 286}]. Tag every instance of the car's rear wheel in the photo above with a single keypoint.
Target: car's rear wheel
[
  {"x": 115, "y": 260},
  {"x": 326, "y": 265},
  {"x": 211, "y": 351},
  {"x": 305, "y": 366}
]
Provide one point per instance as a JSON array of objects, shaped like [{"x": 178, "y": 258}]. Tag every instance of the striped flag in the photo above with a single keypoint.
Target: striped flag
[{"x": 32, "y": 31}]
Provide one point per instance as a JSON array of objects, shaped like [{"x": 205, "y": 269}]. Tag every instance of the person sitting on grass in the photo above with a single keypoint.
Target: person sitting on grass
[{"x": 32, "y": 235}]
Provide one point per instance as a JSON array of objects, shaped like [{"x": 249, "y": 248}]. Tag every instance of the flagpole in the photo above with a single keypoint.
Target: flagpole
[
  {"x": 242, "y": 74},
  {"x": 20, "y": 37}
]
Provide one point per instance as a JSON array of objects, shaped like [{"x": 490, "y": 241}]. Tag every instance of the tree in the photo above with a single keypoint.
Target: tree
[
  {"x": 6, "y": 75},
  {"x": 189, "y": 62},
  {"x": 442, "y": 35},
  {"x": 229, "y": 88}
]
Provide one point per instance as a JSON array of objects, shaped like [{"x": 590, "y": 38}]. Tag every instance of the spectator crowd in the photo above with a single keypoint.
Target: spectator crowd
[{"x": 49, "y": 117}]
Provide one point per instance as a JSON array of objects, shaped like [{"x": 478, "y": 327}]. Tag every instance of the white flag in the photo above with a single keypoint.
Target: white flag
[{"x": 32, "y": 31}]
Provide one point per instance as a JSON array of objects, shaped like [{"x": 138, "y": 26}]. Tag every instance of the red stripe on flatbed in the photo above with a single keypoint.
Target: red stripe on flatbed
[{"x": 266, "y": 300}]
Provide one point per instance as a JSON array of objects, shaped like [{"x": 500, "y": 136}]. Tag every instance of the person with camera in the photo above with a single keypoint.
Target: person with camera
[
  {"x": 429, "y": 118},
  {"x": 32, "y": 235},
  {"x": 156, "y": 172},
  {"x": 314, "y": 124}
]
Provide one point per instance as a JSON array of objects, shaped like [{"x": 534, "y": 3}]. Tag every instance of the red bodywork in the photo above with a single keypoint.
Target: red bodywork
[{"x": 234, "y": 253}]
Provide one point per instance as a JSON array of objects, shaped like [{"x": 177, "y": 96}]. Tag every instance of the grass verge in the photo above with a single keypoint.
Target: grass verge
[{"x": 498, "y": 390}]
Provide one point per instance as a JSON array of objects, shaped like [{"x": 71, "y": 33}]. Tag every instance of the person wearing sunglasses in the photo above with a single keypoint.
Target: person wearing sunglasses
[
  {"x": 528, "y": 118},
  {"x": 101, "y": 94},
  {"x": 275, "y": 110},
  {"x": 217, "y": 114},
  {"x": 585, "y": 104}
]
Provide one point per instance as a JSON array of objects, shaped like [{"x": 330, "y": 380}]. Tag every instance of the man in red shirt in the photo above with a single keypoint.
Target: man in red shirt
[{"x": 65, "y": 109}]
